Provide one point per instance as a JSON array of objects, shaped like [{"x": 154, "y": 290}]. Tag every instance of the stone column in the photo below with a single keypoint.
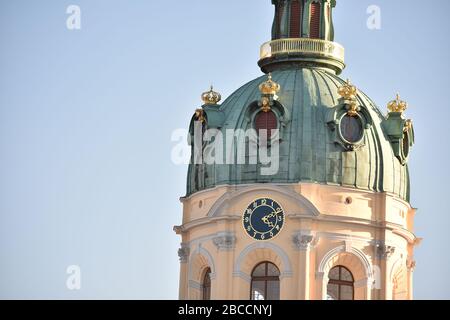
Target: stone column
[
  {"x": 411, "y": 265},
  {"x": 225, "y": 243},
  {"x": 303, "y": 243},
  {"x": 321, "y": 286},
  {"x": 183, "y": 254},
  {"x": 383, "y": 253}
]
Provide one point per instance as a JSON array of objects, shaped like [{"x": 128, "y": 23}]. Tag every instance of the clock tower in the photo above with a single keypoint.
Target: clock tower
[{"x": 298, "y": 186}]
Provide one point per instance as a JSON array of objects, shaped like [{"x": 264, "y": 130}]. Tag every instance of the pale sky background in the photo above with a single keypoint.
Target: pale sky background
[{"x": 86, "y": 119}]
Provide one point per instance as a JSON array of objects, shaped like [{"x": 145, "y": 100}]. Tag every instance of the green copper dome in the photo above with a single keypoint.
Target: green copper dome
[
  {"x": 310, "y": 149},
  {"x": 329, "y": 131}
]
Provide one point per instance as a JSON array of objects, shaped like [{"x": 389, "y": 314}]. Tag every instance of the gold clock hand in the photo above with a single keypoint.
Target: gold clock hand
[{"x": 266, "y": 218}]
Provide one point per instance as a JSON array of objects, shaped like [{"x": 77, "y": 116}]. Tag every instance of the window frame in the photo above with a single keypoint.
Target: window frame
[
  {"x": 206, "y": 285},
  {"x": 266, "y": 278},
  {"x": 340, "y": 283},
  {"x": 269, "y": 132}
]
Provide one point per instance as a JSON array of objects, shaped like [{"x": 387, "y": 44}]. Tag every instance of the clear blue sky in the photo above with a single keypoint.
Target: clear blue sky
[{"x": 86, "y": 118}]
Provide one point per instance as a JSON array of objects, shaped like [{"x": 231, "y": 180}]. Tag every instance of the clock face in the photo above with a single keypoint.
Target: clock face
[{"x": 263, "y": 219}]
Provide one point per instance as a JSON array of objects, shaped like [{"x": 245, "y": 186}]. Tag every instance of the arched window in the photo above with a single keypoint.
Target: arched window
[
  {"x": 314, "y": 23},
  {"x": 266, "y": 121},
  {"x": 265, "y": 282},
  {"x": 206, "y": 285},
  {"x": 341, "y": 284}
]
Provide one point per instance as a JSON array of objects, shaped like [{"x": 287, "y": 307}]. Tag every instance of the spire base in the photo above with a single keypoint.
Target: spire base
[{"x": 307, "y": 52}]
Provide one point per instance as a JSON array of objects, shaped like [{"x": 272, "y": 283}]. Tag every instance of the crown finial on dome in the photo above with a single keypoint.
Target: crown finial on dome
[
  {"x": 348, "y": 91},
  {"x": 269, "y": 90},
  {"x": 397, "y": 105},
  {"x": 211, "y": 97},
  {"x": 269, "y": 87}
]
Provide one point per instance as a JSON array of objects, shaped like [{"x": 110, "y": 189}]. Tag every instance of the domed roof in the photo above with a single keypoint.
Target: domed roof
[{"x": 311, "y": 149}]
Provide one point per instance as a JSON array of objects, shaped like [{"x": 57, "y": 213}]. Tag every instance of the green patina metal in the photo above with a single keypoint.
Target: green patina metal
[
  {"x": 310, "y": 110},
  {"x": 308, "y": 150}
]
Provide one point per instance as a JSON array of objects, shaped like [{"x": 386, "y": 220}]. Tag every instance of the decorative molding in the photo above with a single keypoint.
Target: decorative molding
[
  {"x": 397, "y": 265},
  {"x": 243, "y": 276},
  {"x": 348, "y": 246},
  {"x": 411, "y": 264},
  {"x": 194, "y": 285},
  {"x": 356, "y": 252},
  {"x": 348, "y": 240},
  {"x": 222, "y": 203},
  {"x": 406, "y": 234},
  {"x": 287, "y": 267},
  {"x": 286, "y": 274},
  {"x": 183, "y": 252},
  {"x": 206, "y": 220},
  {"x": 224, "y": 241},
  {"x": 363, "y": 283},
  {"x": 384, "y": 251},
  {"x": 320, "y": 275},
  {"x": 202, "y": 251},
  {"x": 303, "y": 240}
]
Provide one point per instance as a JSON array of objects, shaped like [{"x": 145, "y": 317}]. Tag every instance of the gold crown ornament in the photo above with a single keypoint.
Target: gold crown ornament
[
  {"x": 348, "y": 91},
  {"x": 270, "y": 87},
  {"x": 211, "y": 97},
  {"x": 397, "y": 105}
]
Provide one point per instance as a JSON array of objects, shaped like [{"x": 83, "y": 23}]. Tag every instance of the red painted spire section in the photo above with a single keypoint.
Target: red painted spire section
[
  {"x": 296, "y": 13},
  {"x": 315, "y": 21}
]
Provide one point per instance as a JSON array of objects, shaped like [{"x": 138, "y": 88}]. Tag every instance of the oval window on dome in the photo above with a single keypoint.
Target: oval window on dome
[
  {"x": 405, "y": 145},
  {"x": 351, "y": 128},
  {"x": 266, "y": 121}
]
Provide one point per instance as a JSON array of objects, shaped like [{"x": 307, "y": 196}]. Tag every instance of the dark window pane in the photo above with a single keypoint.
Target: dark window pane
[
  {"x": 346, "y": 275},
  {"x": 333, "y": 291},
  {"x": 334, "y": 274},
  {"x": 258, "y": 288},
  {"x": 265, "y": 282},
  {"x": 272, "y": 270},
  {"x": 340, "y": 285},
  {"x": 207, "y": 294},
  {"x": 273, "y": 290},
  {"x": 346, "y": 292},
  {"x": 266, "y": 121},
  {"x": 207, "y": 285},
  {"x": 260, "y": 270},
  {"x": 351, "y": 128},
  {"x": 405, "y": 145}
]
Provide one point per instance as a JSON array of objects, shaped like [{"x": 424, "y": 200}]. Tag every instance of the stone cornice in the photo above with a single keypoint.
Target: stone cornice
[{"x": 202, "y": 221}]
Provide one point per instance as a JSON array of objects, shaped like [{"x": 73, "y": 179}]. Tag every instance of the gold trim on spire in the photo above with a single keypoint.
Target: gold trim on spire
[
  {"x": 397, "y": 105},
  {"x": 200, "y": 115},
  {"x": 408, "y": 125},
  {"x": 211, "y": 97}
]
